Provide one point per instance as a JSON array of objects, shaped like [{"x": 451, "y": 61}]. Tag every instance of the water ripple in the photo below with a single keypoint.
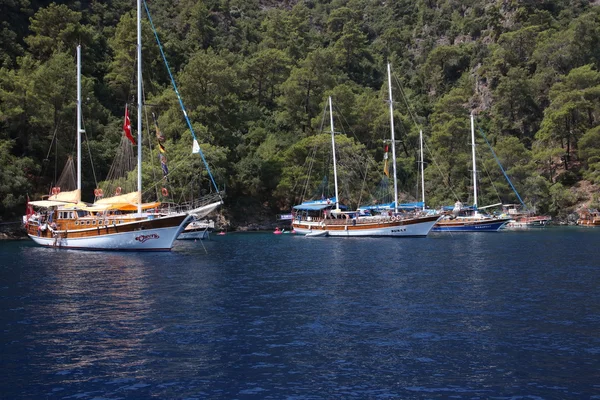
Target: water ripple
[{"x": 504, "y": 316}]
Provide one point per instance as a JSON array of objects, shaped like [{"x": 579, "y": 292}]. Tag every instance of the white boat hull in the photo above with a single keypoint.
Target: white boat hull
[
  {"x": 418, "y": 227},
  {"x": 158, "y": 239},
  {"x": 194, "y": 235},
  {"x": 316, "y": 234},
  {"x": 201, "y": 212}
]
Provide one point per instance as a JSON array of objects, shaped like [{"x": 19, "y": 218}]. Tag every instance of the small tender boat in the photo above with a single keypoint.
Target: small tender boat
[
  {"x": 317, "y": 234},
  {"x": 197, "y": 230},
  {"x": 523, "y": 219},
  {"x": 277, "y": 231}
]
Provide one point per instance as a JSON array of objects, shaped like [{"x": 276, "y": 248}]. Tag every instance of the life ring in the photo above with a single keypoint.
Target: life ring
[
  {"x": 98, "y": 192},
  {"x": 118, "y": 191},
  {"x": 165, "y": 192},
  {"x": 55, "y": 190}
]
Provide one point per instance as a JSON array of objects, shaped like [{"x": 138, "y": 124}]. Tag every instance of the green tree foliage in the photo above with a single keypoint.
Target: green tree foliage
[
  {"x": 574, "y": 109},
  {"x": 16, "y": 179},
  {"x": 450, "y": 132},
  {"x": 515, "y": 107},
  {"x": 589, "y": 153},
  {"x": 303, "y": 91},
  {"x": 56, "y": 28},
  {"x": 255, "y": 76},
  {"x": 121, "y": 74}
]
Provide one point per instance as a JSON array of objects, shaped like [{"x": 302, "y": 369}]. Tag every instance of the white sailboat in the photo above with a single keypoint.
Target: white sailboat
[
  {"x": 122, "y": 222},
  {"x": 326, "y": 217}
]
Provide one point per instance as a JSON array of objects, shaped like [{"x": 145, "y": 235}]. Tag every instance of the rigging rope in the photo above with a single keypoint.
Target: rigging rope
[
  {"x": 487, "y": 172},
  {"x": 187, "y": 120},
  {"x": 501, "y": 168},
  {"x": 87, "y": 141}
]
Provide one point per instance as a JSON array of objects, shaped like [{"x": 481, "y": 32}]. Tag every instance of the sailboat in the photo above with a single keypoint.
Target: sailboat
[
  {"x": 470, "y": 219},
  {"x": 327, "y": 217},
  {"x": 121, "y": 222}
]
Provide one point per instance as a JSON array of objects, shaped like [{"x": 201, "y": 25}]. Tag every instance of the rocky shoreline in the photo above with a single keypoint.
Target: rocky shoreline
[{"x": 12, "y": 231}]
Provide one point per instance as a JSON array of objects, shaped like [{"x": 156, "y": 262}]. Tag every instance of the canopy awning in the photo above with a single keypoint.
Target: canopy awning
[
  {"x": 73, "y": 196},
  {"x": 133, "y": 207},
  {"x": 127, "y": 198},
  {"x": 50, "y": 203},
  {"x": 313, "y": 206},
  {"x": 390, "y": 206}
]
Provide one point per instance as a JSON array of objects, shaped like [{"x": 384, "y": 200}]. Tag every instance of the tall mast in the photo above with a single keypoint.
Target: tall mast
[
  {"x": 79, "y": 131},
  {"x": 337, "y": 199},
  {"x": 474, "y": 164},
  {"x": 393, "y": 139},
  {"x": 139, "y": 105},
  {"x": 422, "y": 168}
]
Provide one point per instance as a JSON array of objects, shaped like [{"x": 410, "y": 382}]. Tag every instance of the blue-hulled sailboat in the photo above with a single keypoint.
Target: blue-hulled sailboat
[{"x": 470, "y": 219}]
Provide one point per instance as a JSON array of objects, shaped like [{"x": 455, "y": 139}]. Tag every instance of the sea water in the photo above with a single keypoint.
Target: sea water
[{"x": 505, "y": 315}]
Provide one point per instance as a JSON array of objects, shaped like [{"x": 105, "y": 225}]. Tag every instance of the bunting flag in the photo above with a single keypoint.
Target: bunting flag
[
  {"x": 159, "y": 135},
  {"x": 28, "y": 212},
  {"x": 195, "y": 147},
  {"x": 161, "y": 148},
  {"x": 127, "y": 126},
  {"x": 163, "y": 165},
  {"x": 386, "y": 168}
]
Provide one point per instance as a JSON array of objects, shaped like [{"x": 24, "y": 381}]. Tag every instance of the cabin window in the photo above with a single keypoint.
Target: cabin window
[
  {"x": 76, "y": 222},
  {"x": 94, "y": 222},
  {"x": 87, "y": 222}
]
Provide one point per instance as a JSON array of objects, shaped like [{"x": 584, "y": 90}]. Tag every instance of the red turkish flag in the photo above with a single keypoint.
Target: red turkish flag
[{"x": 127, "y": 126}]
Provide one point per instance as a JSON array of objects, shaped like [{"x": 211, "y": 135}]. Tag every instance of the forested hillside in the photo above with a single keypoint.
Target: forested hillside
[{"x": 255, "y": 76}]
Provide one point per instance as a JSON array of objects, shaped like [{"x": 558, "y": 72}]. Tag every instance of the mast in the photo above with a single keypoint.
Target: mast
[
  {"x": 79, "y": 130},
  {"x": 139, "y": 105},
  {"x": 337, "y": 201},
  {"x": 393, "y": 140},
  {"x": 422, "y": 168},
  {"x": 474, "y": 165}
]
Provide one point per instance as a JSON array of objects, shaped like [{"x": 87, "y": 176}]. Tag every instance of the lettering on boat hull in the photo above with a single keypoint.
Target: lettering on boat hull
[{"x": 145, "y": 238}]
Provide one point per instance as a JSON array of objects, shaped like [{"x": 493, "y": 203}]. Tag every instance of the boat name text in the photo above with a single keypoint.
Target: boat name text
[{"x": 144, "y": 238}]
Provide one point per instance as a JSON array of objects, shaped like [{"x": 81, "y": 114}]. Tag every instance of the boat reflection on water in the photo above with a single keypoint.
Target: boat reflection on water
[{"x": 96, "y": 303}]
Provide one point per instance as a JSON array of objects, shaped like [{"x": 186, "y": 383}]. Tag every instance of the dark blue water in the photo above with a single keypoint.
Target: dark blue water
[{"x": 507, "y": 315}]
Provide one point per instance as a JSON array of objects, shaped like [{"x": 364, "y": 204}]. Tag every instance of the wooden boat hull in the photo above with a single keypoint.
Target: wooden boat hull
[
  {"x": 410, "y": 227},
  {"x": 155, "y": 234},
  {"x": 589, "y": 222}
]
